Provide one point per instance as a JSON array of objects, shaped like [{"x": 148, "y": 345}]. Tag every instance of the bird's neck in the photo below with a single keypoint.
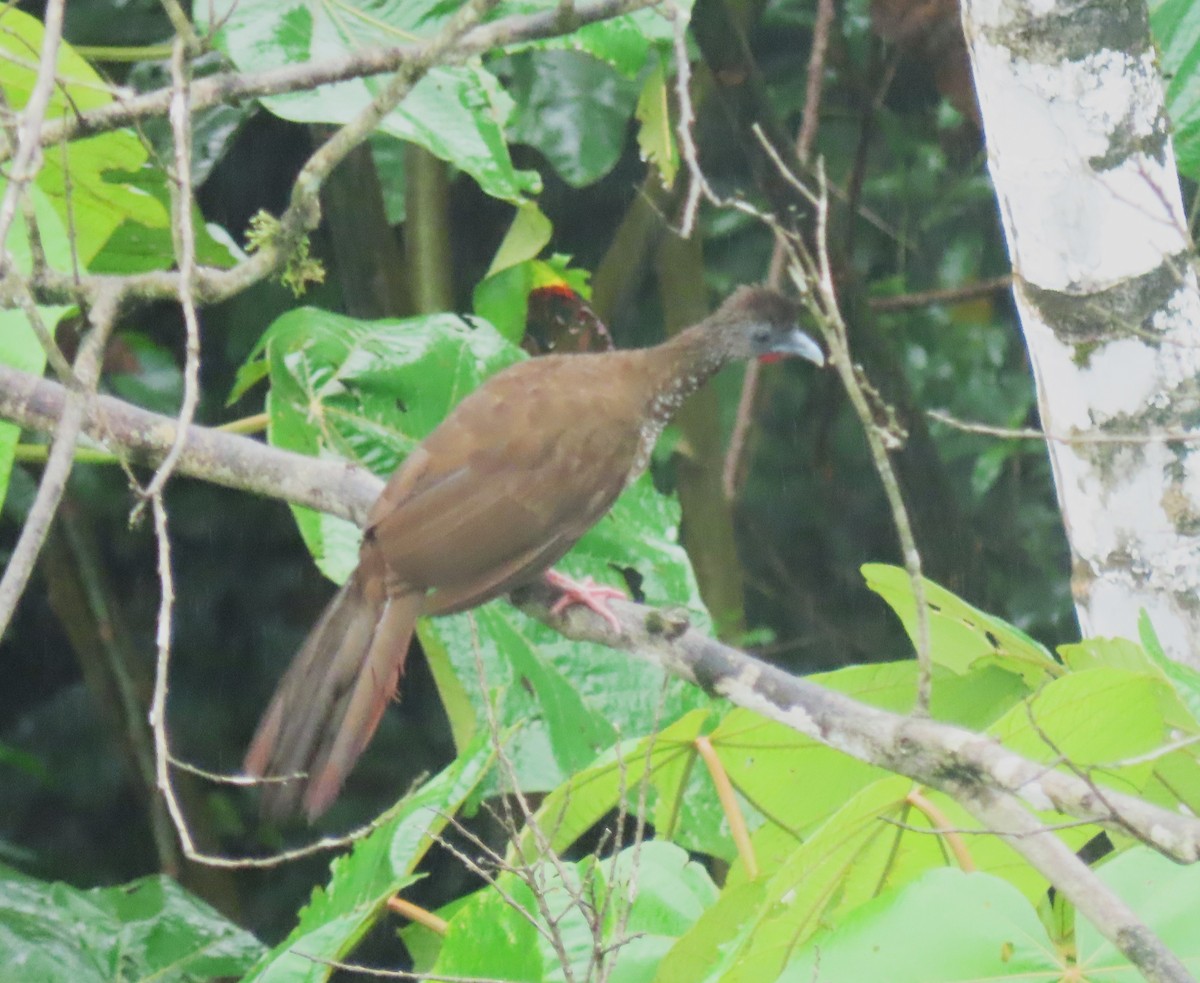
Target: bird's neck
[
  {"x": 684, "y": 364},
  {"x": 675, "y": 370}
]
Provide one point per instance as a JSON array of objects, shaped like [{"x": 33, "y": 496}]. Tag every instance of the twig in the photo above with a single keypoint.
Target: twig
[
  {"x": 1031, "y": 433},
  {"x": 950, "y": 295},
  {"x": 697, "y": 183},
  {"x": 813, "y": 277},
  {"x": 184, "y": 240},
  {"x": 27, "y": 160},
  {"x": 66, "y": 425},
  {"x": 815, "y": 82}
]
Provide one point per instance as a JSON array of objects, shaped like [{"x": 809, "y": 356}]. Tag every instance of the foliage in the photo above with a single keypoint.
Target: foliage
[
  {"x": 148, "y": 929},
  {"x": 857, "y": 878}
]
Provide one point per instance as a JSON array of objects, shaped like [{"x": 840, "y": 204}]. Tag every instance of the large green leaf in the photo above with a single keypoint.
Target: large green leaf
[
  {"x": 946, "y": 927},
  {"x": 148, "y": 929},
  {"x": 961, "y": 635},
  {"x": 19, "y": 346},
  {"x": 377, "y": 867},
  {"x": 81, "y": 178},
  {"x": 1166, "y": 896},
  {"x": 457, "y": 113},
  {"x": 575, "y": 109}
]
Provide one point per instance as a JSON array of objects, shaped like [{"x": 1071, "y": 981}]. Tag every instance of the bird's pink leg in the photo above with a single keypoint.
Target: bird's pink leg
[{"x": 586, "y": 592}]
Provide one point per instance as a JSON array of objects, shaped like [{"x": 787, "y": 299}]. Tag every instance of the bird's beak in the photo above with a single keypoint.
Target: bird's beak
[{"x": 801, "y": 345}]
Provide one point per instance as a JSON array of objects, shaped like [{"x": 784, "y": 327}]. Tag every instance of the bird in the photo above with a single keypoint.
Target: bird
[{"x": 488, "y": 502}]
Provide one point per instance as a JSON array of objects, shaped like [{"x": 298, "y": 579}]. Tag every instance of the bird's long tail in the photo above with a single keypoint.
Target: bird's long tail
[{"x": 330, "y": 700}]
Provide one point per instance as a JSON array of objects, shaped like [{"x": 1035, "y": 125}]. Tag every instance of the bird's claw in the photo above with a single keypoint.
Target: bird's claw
[{"x": 586, "y": 592}]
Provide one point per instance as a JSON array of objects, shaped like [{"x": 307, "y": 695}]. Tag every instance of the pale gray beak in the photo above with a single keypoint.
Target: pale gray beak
[{"x": 800, "y": 344}]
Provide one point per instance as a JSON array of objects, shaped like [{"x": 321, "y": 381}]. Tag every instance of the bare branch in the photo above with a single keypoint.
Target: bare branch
[
  {"x": 233, "y": 87},
  {"x": 65, "y": 424},
  {"x": 333, "y": 486},
  {"x": 935, "y": 754}
]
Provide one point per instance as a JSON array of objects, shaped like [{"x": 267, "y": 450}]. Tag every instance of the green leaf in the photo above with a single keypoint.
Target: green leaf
[
  {"x": 962, "y": 637},
  {"x": 1176, "y": 27},
  {"x": 746, "y": 935},
  {"x": 82, "y": 178},
  {"x": 656, "y": 136},
  {"x": 575, "y": 109},
  {"x": 456, "y": 113},
  {"x": 662, "y": 760},
  {"x": 150, "y": 928},
  {"x": 19, "y": 346},
  {"x": 1072, "y": 717},
  {"x": 137, "y": 247},
  {"x": 377, "y": 867},
  {"x": 1184, "y": 678},
  {"x": 526, "y": 237},
  {"x": 368, "y": 391},
  {"x": 1166, "y": 896},
  {"x": 624, "y": 42},
  {"x": 945, "y": 927}
]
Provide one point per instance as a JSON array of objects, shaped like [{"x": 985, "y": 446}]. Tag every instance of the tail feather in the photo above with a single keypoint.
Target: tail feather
[{"x": 331, "y": 699}]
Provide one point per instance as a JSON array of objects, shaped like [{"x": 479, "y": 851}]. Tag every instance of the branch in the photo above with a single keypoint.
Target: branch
[
  {"x": 333, "y": 486},
  {"x": 229, "y": 87},
  {"x": 940, "y": 755}
]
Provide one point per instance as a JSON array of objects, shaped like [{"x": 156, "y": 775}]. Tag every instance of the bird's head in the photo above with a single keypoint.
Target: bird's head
[{"x": 758, "y": 322}]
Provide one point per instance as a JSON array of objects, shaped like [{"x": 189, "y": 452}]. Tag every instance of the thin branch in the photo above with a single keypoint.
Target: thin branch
[
  {"x": 950, "y": 295},
  {"x": 65, "y": 425},
  {"x": 812, "y": 275},
  {"x": 184, "y": 240},
  {"x": 1031, "y": 433},
  {"x": 27, "y": 160},
  {"x": 232, "y": 87},
  {"x": 815, "y": 81}
]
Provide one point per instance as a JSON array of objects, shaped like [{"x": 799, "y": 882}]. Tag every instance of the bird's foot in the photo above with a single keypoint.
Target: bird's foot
[{"x": 586, "y": 592}]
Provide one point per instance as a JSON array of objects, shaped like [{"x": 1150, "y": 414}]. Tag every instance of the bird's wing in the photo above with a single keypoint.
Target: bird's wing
[{"x": 507, "y": 483}]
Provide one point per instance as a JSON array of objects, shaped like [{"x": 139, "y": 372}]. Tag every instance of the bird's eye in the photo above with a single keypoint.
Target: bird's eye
[{"x": 761, "y": 336}]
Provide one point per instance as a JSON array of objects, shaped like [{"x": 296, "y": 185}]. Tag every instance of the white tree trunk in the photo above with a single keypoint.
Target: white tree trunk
[{"x": 1081, "y": 159}]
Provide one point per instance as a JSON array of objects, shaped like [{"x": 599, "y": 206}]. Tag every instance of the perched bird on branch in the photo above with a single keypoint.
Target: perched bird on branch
[{"x": 489, "y": 501}]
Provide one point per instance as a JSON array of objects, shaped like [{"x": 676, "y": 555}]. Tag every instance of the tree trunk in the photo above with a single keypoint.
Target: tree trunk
[{"x": 1081, "y": 159}]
